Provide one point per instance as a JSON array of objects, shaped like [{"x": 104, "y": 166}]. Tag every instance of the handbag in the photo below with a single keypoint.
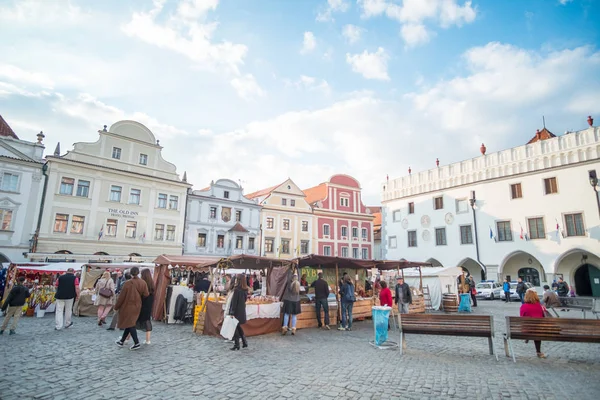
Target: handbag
[
  {"x": 228, "y": 328},
  {"x": 105, "y": 292}
]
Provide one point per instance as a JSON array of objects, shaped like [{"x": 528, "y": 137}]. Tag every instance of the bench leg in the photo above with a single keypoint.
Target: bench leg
[
  {"x": 512, "y": 351},
  {"x": 492, "y": 350},
  {"x": 555, "y": 312},
  {"x": 506, "y": 351},
  {"x": 401, "y": 347}
]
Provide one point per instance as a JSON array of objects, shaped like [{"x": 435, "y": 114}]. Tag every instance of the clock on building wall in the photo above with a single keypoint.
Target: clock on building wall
[
  {"x": 425, "y": 221},
  {"x": 405, "y": 223},
  {"x": 449, "y": 218},
  {"x": 426, "y": 235}
]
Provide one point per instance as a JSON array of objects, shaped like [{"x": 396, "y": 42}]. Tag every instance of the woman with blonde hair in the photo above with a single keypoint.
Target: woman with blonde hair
[
  {"x": 533, "y": 309},
  {"x": 291, "y": 304},
  {"x": 105, "y": 296}
]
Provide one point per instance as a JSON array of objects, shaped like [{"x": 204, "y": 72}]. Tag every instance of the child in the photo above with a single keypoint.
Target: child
[{"x": 14, "y": 303}]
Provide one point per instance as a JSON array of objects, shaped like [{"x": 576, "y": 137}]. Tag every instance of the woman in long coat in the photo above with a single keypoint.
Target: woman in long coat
[
  {"x": 104, "y": 303},
  {"x": 129, "y": 305},
  {"x": 237, "y": 309}
]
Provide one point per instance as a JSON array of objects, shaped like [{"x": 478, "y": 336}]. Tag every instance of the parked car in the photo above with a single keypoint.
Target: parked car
[
  {"x": 513, "y": 290},
  {"x": 488, "y": 290}
]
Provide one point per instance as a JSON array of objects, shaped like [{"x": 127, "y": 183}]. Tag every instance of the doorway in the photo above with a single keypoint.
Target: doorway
[
  {"x": 530, "y": 275},
  {"x": 587, "y": 281}
]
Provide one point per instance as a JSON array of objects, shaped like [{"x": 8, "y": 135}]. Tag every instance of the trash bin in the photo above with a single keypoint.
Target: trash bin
[
  {"x": 381, "y": 317},
  {"x": 465, "y": 303}
]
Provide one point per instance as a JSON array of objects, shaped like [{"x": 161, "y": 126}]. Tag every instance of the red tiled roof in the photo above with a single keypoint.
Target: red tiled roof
[
  {"x": 316, "y": 193},
  {"x": 262, "y": 192},
  {"x": 6, "y": 130},
  {"x": 544, "y": 134},
  {"x": 238, "y": 228}
]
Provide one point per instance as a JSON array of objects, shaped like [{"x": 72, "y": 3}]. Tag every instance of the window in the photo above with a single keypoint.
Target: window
[
  {"x": 286, "y": 224},
  {"x": 284, "y": 202},
  {"x": 162, "y": 200},
  {"x": 504, "y": 231},
  {"x": 550, "y": 186},
  {"x": 116, "y": 154},
  {"x": 173, "y": 202},
  {"x": 304, "y": 226},
  {"x": 270, "y": 223},
  {"x": 364, "y": 233},
  {"x": 515, "y": 191},
  {"x": 355, "y": 233},
  {"x": 238, "y": 215},
  {"x": 326, "y": 250},
  {"x": 159, "y": 232},
  {"x": 60, "y": 223},
  {"x": 66, "y": 185},
  {"x": 111, "y": 227},
  {"x": 213, "y": 212},
  {"x": 536, "y": 228},
  {"x": 10, "y": 182},
  {"x": 304, "y": 247},
  {"x": 143, "y": 159},
  {"x": 412, "y": 238},
  {"x": 201, "y": 242},
  {"x": 325, "y": 230},
  {"x": 269, "y": 245},
  {"x": 574, "y": 223},
  {"x": 131, "y": 229},
  {"x": 83, "y": 188},
  {"x": 171, "y": 233},
  {"x": 396, "y": 216},
  {"x": 365, "y": 254},
  {"x": 438, "y": 203},
  {"x": 344, "y": 201},
  {"x": 285, "y": 246},
  {"x": 344, "y": 231},
  {"x": 134, "y": 196},
  {"x": 355, "y": 252},
  {"x": 293, "y": 203},
  {"x": 466, "y": 234},
  {"x": 462, "y": 206},
  {"x": 239, "y": 242},
  {"x": 393, "y": 242},
  {"x": 220, "y": 241},
  {"x": 411, "y": 208},
  {"x": 226, "y": 194},
  {"x": 251, "y": 243},
  {"x": 440, "y": 236},
  {"x": 77, "y": 224},
  {"x": 6, "y": 216},
  {"x": 345, "y": 252},
  {"x": 115, "y": 193}
]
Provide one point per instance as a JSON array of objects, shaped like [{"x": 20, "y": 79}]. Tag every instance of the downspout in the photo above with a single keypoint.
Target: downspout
[
  {"x": 472, "y": 201},
  {"x": 39, "y": 222}
]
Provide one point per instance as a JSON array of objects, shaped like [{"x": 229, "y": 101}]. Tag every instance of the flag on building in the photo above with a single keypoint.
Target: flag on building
[
  {"x": 101, "y": 232},
  {"x": 557, "y": 229},
  {"x": 143, "y": 237},
  {"x": 522, "y": 234},
  {"x": 491, "y": 233}
]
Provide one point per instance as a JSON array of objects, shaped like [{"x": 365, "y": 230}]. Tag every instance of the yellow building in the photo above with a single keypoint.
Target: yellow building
[{"x": 286, "y": 221}]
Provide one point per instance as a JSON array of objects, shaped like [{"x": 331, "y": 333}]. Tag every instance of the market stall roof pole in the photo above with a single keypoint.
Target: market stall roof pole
[{"x": 337, "y": 293}]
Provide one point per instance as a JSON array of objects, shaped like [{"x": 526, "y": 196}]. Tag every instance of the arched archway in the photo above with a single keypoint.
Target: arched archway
[
  {"x": 3, "y": 258},
  {"x": 522, "y": 264},
  {"x": 473, "y": 267},
  {"x": 434, "y": 262},
  {"x": 100, "y": 253},
  {"x": 63, "y": 252},
  {"x": 569, "y": 263},
  {"x": 585, "y": 279},
  {"x": 134, "y": 255}
]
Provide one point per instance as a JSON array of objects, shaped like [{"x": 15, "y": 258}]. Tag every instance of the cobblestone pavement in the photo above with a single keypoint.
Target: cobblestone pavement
[{"x": 84, "y": 363}]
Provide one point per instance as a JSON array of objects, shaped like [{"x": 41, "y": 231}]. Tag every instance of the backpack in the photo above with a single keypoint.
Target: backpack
[{"x": 348, "y": 296}]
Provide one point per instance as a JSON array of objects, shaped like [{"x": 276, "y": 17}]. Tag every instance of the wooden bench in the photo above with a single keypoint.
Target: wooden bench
[
  {"x": 448, "y": 325},
  {"x": 550, "y": 329}
]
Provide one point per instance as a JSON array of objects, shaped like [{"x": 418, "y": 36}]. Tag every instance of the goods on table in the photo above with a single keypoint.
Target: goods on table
[{"x": 262, "y": 300}]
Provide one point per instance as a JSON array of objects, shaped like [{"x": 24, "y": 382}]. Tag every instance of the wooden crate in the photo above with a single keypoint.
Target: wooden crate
[
  {"x": 199, "y": 318},
  {"x": 363, "y": 309}
]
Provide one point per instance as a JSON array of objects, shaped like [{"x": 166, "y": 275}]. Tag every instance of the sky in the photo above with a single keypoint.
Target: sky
[{"x": 261, "y": 90}]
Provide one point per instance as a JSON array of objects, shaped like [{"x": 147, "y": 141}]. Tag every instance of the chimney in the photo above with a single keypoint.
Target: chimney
[
  {"x": 537, "y": 134},
  {"x": 437, "y": 162},
  {"x": 483, "y": 149},
  {"x": 57, "y": 150},
  {"x": 590, "y": 120}
]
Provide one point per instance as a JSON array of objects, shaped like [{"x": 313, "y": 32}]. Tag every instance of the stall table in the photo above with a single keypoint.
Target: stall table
[
  {"x": 308, "y": 317},
  {"x": 261, "y": 319}
]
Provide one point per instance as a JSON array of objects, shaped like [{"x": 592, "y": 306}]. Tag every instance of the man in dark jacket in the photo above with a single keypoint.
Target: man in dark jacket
[
  {"x": 14, "y": 304},
  {"x": 67, "y": 291},
  {"x": 403, "y": 296},
  {"x": 563, "y": 288},
  {"x": 321, "y": 295},
  {"x": 521, "y": 289}
]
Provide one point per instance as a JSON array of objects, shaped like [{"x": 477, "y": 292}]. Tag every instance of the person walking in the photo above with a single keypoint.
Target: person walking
[
  {"x": 521, "y": 289},
  {"x": 237, "y": 309},
  {"x": 506, "y": 288},
  {"x": 291, "y": 305},
  {"x": 105, "y": 296},
  {"x": 144, "y": 320},
  {"x": 13, "y": 305},
  {"x": 472, "y": 290},
  {"x": 67, "y": 292},
  {"x": 321, "y": 295},
  {"x": 129, "y": 305},
  {"x": 533, "y": 309},
  {"x": 115, "y": 318},
  {"x": 403, "y": 296},
  {"x": 348, "y": 299}
]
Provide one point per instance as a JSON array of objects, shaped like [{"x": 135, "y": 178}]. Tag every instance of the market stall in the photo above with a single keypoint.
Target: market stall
[{"x": 412, "y": 273}]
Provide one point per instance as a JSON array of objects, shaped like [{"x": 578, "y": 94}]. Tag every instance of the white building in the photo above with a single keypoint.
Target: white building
[
  {"x": 21, "y": 187},
  {"x": 112, "y": 200},
  {"x": 535, "y": 213},
  {"x": 221, "y": 221}
]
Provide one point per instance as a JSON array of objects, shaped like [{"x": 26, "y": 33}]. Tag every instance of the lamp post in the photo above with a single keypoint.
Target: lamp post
[
  {"x": 594, "y": 183},
  {"x": 472, "y": 202}
]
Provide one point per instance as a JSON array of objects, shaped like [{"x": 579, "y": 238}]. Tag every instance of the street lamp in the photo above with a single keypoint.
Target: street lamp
[{"x": 594, "y": 183}]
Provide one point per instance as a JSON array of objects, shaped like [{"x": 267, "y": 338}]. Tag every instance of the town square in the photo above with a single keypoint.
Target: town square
[{"x": 303, "y": 199}]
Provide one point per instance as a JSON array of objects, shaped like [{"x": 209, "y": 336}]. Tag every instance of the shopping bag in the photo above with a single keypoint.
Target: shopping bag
[
  {"x": 94, "y": 297},
  {"x": 228, "y": 328}
]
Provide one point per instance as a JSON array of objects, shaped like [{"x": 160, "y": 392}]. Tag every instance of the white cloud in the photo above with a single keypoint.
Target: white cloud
[
  {"x": 370, "y": 65},
  {"x": 333, "y": 6},
  {"x": 312, "y": 84},
  {"x": 414, "y": 34},
  {"x": 55, "y": 13},
  {"x": 309, "y": 43},
  {"x": 564, "y": 2},
  {"x": 352, "y": 33},
  {"x": 15, "y": 74},
  {"x": 246, "y": 87}
]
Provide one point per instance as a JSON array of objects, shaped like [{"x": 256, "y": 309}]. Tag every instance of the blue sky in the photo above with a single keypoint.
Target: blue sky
[{"x": 259, "y": 90}]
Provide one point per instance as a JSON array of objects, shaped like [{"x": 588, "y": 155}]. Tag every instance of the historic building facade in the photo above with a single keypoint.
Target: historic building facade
[
  {"x": 530, "y": 211},
  {"x": 21, "y": 187},
  {"x": 343, "y": 225},
  {"x": 221, "y": 221},
  {"x": 286, "y": 221},
  {"x": 115, "y": 200}
]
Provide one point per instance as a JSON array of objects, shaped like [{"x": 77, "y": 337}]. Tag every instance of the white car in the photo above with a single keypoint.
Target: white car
[
  {"x": 488, "y": 290},
  {"x": 513, "y": 290}
]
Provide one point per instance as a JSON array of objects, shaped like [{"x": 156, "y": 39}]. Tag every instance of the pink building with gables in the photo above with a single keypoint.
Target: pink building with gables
[{"x": 343, "y": 224}]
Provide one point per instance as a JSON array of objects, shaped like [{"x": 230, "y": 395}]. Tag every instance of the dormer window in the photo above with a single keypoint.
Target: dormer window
[
  {"x": 143, "y": 159},
  {"x": 116, "y": 153},
  {"x": 226, "y": 194}
]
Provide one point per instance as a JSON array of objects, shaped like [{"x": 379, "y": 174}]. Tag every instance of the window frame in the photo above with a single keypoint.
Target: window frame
[
  {"x": 269, "y": 245},
  {"x": 530, "y": 231},
  {"x": 285, "y": 224},
  {"x": 270, "y": 222},
  {"x": 211, "y": 214},
  {"x": 344, "y": 231},
  {"x": 345, "y": 252},
  {"x": 72, "y": 225},
  {"x": 239, "y": 242},
  {"x": 364, "y": 233},
  {"x": 327, "y": 250},
  {"x": 410, "y": 243},
  {"x": 354, "y": 230},
  {"x": 120, "y": 192},
  {"x": 4, "y": 212},
  {"x": 304, "y": 226},
  {"x": 162, "y": 200},
  {"x": 118, "y": 152},
  {"x": 435, "y": 203},
  {"x": 62, "y": 185},
  {"x": 504, "y": 231},
  {"x": 65, "y": 221},
  {"x": 169, "y": 230},
  {"x": 203, "y": 236},
  {"x": 470, "y": 236},
  {"x": 440, "y": 236},
  {"x": 130, "y": 226},
  {"x": 355, "y": 253},
  {"x": 344, "y": 201},
  {"x": 220, "y": 241},
  {"x": 573, "y": 214},
  {"x": 251, "y": 243},
  {"x": 516, "y": 191},
  {"x": 159, "y": 228},
  {"x": 132, "y": 195},
  {"x": 283, "y": 201},
  {"x": 396, "y": 216},
  {"x": 226, "y": 194},
  {"x": 79, "y": 186},
  {"x": 238, "y": 215},
  {"x": 411, "y": 207},
  {"x": 304, "y": 246},
  {"x": 365, "y": 253},
  {"x": 17, "y": 184},
  {"x": 144, "y": 158},
  {"x": 115, "y": 225},
  {"x": 292, "y": 203},
  {"x": 328, "y": 230},
  {"x": 173, "y": 198},
  {"x": 285, "y": 246},
  {"x": 393, "y": 242},
  {"x": 553, "y": 180}
]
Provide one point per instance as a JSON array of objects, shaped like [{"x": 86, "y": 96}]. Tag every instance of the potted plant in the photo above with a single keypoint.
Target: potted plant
[
  {"x": 44, "y": 300},
  {"x": 32, "y": 303}
]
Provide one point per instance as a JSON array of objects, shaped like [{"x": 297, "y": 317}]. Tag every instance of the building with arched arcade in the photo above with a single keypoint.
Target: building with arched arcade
[{"x": 530, "y": 211}]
